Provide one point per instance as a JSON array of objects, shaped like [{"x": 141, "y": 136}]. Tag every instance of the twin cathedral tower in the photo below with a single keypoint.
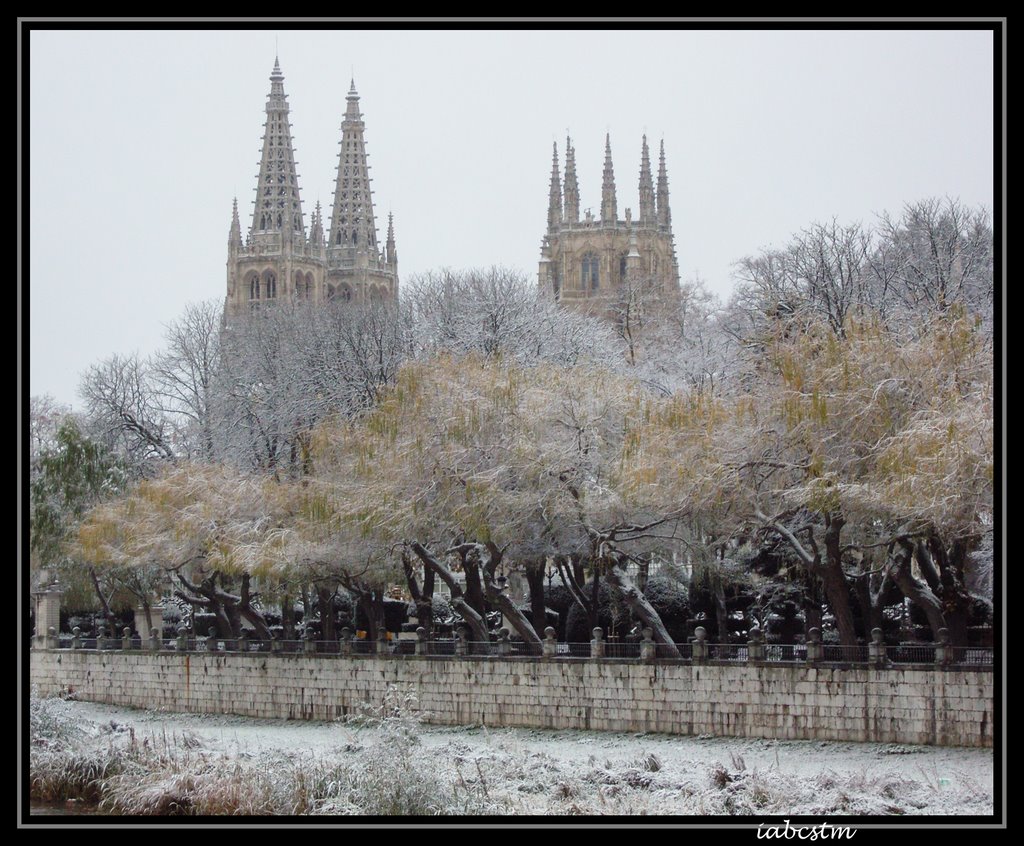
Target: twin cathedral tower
[{"x": 584, "y": 263}]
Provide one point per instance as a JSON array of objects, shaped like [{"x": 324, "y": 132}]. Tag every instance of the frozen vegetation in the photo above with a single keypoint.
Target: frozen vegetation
[{"x": 387, "y": 763}]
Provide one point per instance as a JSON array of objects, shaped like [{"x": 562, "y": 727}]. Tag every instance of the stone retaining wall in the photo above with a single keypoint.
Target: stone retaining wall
[{"x": 897, "y": 705}]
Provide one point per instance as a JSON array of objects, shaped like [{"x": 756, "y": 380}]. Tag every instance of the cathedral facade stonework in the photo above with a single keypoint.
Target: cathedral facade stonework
[
  {"x": 597, "y": 263},
  {"x": 278, "y": 258}
]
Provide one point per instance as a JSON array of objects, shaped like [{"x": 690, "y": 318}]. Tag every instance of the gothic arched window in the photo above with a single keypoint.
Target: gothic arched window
[
  {"x": 254, "y": 288},
  {"x": 271, "y": 283},
  {"x": 622, "y": 268},
  {"x": 590, "y": 272},
  {"x": 556, "y": 281}
]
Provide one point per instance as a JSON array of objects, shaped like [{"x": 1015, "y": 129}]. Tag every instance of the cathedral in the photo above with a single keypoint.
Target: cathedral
[
  {"x": 595, "y": 263},
  {"x": 277, "y": 258}
]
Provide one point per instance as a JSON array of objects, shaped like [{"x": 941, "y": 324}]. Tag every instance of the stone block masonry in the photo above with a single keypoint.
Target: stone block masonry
[{"x": 896, "y": 705}]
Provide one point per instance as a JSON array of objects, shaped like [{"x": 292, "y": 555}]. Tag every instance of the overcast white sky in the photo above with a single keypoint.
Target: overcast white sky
[{"x": 139, "y": 141}]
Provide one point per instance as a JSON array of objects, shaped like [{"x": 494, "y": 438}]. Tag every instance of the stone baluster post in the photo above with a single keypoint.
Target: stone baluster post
[
  {"x": 755, "y": 647},
  {"x": 421, "y": 641},
  {"x": 549, "y": 647},
  {"x": 346, "y": 642},
  {"x": 597, "y": 643},
  {"x": 461, "y": 647},
  {"x": 504, "y": 645},
  {"x": 154, "y": 639},
  {"x": 700, "y": 645},
  {"x": 76, "y": 638},
  {"x": 275, "y": 641},
  {"x": 815, "y": 648},
  {"x": 648, "y": 648},
  {"x": 126, "y": 639},
  {"x": 382, "y": 640},
  {"x": 181, "y": 644},
  {"x": 876, "y": 649},
  {"x": 943, "y": 651},
  {"x": 211, "y": 639},
  {"x": 309, "y": 646},
  {"x": 243, "y": 641}
]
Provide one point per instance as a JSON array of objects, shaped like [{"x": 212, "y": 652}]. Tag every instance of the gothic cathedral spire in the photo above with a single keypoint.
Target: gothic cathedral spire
[
  {"x": 353, "y": 228},
  {"x": 664, "y": 213},
  {"x": 555, "y": 192},
  {"x": 647, "y": 213},
  {"x": 390, "y": 253},
  {"x": 278, "y": 207},
  {"x": 235, "y": 233},
  {"x": 608, "y": 210},
  {"x": 572, "y": 187}
]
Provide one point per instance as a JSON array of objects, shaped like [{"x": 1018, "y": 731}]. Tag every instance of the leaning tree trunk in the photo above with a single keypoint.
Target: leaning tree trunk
[
  {"x": 616, "y": 576},
  {"x": 507, "y": 607},
  {"x": 458, "y": 600},
  {"x": 918, "y": 592}
]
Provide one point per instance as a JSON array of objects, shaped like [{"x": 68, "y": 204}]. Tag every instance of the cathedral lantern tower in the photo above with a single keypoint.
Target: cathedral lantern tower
[{"x": 586, "y": 264}]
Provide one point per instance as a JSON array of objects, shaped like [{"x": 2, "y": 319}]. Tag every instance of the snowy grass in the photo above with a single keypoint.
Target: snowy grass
[{"x": 385, "y": 762}]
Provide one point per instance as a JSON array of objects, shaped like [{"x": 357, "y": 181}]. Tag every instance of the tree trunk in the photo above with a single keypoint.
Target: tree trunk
[
  {"x": 641, "y": 608},
  {"x": 956, "y": 601},
  {"x": 491, "y": 556},
  {"x": 422, "y": 598},
  {"x": 593, "y": 612},
  {"x": 811, "y": 604},
  {"x": 721, "y": 610},
  {"x": 571, "y": 576},
  {"x": 325, "y": 605},
  {"x": 918, "y": 592},
  {"x": 474, "y": 591},
  {"x": 535, "y": 579},
  {"x": 834, "y": 580},
  {"x": 288, "y": 617},
  {"x": 108, "y": 615},
  {"x": 458, "y": 600}
]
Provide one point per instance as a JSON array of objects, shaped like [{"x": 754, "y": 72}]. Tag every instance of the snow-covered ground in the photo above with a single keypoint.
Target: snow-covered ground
[{"x": 524, "y": 771}]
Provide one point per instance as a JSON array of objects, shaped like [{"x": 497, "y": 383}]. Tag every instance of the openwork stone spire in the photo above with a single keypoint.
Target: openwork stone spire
[
  {"x": 572, "y": 186},
  {"x": 555, "y": 192},
  {"x": 278, "y": 208},
  {"x": 235, "y": 233},
  {"x": 647, "y": 211},
  {"x": 316, "y": 227},
  {"x": 664, "y": 213},
  {"x": 608, "y": 209},
  {"x": 390, "y": 253},
  {"x": 353, "y": 228}
]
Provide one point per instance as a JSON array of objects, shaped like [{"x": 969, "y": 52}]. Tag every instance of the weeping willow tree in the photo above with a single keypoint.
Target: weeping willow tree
[
  {"x": 209, "y": 529},
  {"x": 840, "y": 446},
  {"x": 481, "y": 464}
]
